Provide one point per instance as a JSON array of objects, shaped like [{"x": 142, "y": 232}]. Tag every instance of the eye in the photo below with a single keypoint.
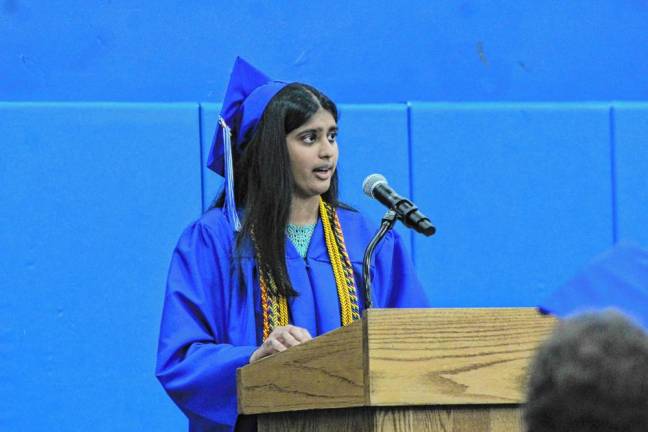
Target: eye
[
  {"x": 309, "y": 138},
  {"x": 332, "y": 136}
]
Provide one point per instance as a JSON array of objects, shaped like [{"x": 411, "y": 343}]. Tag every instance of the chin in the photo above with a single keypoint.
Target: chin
[
  {"x": 314, "y": 189},
  {"x": 322, "y": 190}
]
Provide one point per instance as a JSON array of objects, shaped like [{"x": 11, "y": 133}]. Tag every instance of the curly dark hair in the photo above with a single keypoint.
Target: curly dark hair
[{"x": 591, "y": 375}]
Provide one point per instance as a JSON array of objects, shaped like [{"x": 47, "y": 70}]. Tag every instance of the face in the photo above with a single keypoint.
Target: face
[{"x": 313, "y": 153}]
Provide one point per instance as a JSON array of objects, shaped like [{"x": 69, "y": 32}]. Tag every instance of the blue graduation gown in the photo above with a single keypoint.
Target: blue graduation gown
[
  {"x": 212, "y": 323},
  {"x": 616, "y": 279}
]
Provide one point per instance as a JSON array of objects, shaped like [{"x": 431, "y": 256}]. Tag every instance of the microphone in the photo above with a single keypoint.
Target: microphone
[{"x": 375, "y": 185}]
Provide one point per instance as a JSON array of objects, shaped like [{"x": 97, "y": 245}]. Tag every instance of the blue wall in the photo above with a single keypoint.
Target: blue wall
[
  {"x": 359, "y": 52},
  {"x": 95, "y": 194},
  {"x": 522, "y": 196},
  {"x": 93, "y": 197}
]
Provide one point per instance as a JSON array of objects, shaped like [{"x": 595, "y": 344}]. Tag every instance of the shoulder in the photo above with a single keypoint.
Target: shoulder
[
  {"x": 351, "y": 218},
  {"x": 201, "y": 263},
  {"x": 209, "y": 230},
  {"x": 214, "y": 220},
  {"x": 357, "y": 223},
  {"x": 358, "y": 231}
]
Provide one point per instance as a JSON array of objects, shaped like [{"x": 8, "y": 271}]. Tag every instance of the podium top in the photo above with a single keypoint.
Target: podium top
[{"x": 402, "y": 357}]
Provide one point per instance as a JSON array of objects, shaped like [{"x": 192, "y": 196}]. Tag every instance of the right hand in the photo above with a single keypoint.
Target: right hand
[{"x": 281, "y": 339}]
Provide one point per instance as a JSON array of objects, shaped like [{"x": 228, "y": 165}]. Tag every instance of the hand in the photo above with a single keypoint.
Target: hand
[{"x": 281, "y": 339}]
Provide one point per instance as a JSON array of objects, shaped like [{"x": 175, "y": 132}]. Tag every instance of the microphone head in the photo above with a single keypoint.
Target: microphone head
[{"x": 371, "y": 182}]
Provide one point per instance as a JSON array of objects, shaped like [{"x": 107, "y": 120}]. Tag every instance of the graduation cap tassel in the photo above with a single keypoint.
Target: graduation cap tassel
[{"x": 230, "y": 203}]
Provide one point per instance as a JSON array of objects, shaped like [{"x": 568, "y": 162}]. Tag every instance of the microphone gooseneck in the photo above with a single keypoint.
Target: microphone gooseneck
[
  {"x": 388, "y": 221},
  {"x": 401, "y": 208}
]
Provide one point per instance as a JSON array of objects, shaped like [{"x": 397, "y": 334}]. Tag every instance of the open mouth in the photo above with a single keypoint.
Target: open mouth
[{"x": 323, "y": 172}]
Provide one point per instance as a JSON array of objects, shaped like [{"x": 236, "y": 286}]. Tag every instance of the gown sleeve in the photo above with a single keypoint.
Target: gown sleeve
[
  {"x": 397, "y": 285},
  {"x": 195, "y": 363}
]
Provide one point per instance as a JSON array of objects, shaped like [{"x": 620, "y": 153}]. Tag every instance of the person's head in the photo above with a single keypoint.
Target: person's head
[
  {"x": 591, "y": 375},
  {"x": 291, "y": 152},
  {"x": 250, "y": 144}
]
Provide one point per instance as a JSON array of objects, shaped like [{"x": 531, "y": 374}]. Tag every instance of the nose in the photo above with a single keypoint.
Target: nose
[{"x": 326, "y": 148}]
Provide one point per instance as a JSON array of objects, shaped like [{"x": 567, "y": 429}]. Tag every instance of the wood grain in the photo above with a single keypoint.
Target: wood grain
[
  {"x": 506, "y": 419},
  {"x": 396, "y": 419},
  {"x": 338, "y": 420},
  {"x": 451, "y": 356},
  {"x": 403, "y": 358},
  {"x": 327, "y": 372}
]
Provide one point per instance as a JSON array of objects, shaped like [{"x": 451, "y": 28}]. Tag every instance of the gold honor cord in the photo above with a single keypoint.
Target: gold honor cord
[
  {"x": 341, "y": 264},
  {"x": 275, "y": 307}
]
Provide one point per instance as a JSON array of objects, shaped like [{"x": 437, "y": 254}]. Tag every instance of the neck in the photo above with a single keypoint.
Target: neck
[{"x": 304, "y": 211}]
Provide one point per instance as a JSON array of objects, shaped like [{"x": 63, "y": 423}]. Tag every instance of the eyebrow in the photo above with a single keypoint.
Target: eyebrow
[{"x": 333, "y": 128}]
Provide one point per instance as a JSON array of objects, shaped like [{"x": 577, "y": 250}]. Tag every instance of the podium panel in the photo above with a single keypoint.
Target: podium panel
[
  {"x": 396, "y": 419},
  {"x": 451, "y": 370}
]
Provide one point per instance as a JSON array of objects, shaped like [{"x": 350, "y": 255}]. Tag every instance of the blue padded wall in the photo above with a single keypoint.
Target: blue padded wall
[
  {"x": 520, "y": 193},
  {"x": 94, "y": 197},
  {"x": 372, "y": 138},
  {"x": 358, "y": 52},
  {"x": 631, "y": 156}
]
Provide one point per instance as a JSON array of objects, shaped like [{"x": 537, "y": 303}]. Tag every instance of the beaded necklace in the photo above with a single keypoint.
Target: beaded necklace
[
  {"x": 275, "y": 307},
  {"x": 300, "y": 237}
]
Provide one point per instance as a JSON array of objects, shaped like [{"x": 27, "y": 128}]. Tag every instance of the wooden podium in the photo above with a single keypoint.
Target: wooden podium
[{"x": 450, "y": 370}]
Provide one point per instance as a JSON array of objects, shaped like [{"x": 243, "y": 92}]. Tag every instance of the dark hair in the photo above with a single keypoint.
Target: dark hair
[
  {"x": 263, "y": 181},
  {"x": 591, "y": 375}
]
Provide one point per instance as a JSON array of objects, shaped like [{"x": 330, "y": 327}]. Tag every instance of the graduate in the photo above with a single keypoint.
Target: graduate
[{"x": 278, "y": 259}]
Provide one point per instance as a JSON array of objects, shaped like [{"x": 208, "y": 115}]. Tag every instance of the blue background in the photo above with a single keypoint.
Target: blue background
[
  {"x": 358, "y": 52},
  {"x": 518, "y": 127}
]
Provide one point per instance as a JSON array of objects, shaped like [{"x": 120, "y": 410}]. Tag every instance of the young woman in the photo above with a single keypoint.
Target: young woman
[{"x": 278, "y": 259}]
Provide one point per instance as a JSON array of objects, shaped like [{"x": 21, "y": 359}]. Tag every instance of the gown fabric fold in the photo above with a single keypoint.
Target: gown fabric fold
[{"x": 212, "y": 318}]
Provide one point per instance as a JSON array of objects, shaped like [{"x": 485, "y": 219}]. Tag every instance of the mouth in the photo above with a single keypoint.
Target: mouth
[{"x": 323, "y": 172}]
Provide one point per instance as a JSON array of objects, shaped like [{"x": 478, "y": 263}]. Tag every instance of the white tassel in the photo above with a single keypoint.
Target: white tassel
[{"x": 230, "y": 203}]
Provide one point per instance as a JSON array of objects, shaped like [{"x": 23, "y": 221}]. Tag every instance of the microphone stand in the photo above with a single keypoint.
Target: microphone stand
[{"x": 388, "y": 221}]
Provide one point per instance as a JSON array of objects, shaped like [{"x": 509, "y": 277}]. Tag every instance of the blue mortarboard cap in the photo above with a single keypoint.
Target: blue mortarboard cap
[
  {"x": 616, "y": 279},
  {"x": 248, "y": 93}
]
